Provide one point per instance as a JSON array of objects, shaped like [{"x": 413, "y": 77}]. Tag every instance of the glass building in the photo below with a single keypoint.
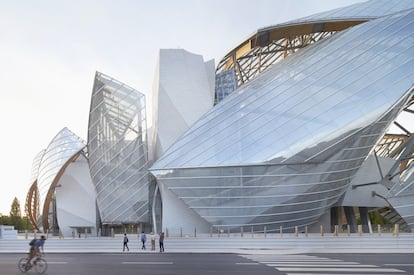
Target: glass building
[
  {"x": 282, "y": 149},
  {"x": 64, "y": 149},
  {"x": 295, "y": 125},
  {"x": 118, "y": 152}
]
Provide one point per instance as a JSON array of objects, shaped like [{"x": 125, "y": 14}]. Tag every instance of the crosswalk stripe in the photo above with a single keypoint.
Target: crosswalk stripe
[
  {"x": 310, "y": 263},
  {"x": 301, "y": 273},
  {"x": 399, "y": 264},
  {"x": 300, "y": 264},
  {"x": 321, "y": 265},
  {"x": 346, "y": 269}
]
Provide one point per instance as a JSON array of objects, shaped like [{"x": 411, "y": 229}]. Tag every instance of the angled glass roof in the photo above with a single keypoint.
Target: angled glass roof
[
  {"x": 329, "y": 89},
  {"x": 364, "y": 10},
  {"x": 271, "y": 44}
]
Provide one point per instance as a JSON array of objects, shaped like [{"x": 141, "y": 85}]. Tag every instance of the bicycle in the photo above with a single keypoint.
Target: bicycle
[{"x": 38, "y": 262}]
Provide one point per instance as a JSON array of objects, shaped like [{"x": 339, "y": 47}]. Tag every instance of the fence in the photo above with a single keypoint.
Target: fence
[{"x": 243, "y": 231}]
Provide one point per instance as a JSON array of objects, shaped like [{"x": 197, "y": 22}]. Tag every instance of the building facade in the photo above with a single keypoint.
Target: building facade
[{"x": 292, "y": 125}]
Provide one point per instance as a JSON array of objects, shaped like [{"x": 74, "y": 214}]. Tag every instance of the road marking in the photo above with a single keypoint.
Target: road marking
[
  {"x": 303, "y": 264},
  {"x": 302, "y": 261},
  {"x": 320, "y": 265},
  {"x": 248, "y": 263},
  {"x": 147, "y": 263},
  {"x": 332, "y": 273},
  {"x": 399, "y": 264},
  {"x": 57, "y": 262},
  {"x": 340, "y": 269}
]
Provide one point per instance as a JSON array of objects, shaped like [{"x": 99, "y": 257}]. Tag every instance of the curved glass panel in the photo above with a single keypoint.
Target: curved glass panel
[
  {"x": 368, "y": 9},
  {"x": 118, "y": 153},
  {"x": 277, "y": 110},
  {"x": 61, "y": 149},
  {"x": 282, "y": 149}
]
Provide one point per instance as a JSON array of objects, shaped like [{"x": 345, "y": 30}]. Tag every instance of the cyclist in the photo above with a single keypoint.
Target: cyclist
[{"x": 35, "y": 247}]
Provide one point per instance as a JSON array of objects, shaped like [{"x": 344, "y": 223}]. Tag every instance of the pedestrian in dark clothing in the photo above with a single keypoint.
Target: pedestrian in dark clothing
[
  {"x": 143, "y": 239},
  {"x": 125, "y": 242},
  {"x": 161, "y": 241}
]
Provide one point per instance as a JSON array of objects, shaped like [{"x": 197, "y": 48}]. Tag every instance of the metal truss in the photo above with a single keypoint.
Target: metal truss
[
  {"x": 273, "y": 44},
  {"x": 32, "y": 205},
  {"x": 259, "y": 59}
]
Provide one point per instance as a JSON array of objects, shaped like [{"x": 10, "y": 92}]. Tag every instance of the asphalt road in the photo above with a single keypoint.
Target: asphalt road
[
  {"x": 194, "y": 263},
  {"x": 132, "y": 263}
]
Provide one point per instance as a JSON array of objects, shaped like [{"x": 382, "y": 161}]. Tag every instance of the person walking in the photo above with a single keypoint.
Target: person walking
[
  {"x": 152, "y": 238},
  {"x": 161, "y": 241},
  {"x": 143, "y": 240},
  {"x": 125, "y": 242}
]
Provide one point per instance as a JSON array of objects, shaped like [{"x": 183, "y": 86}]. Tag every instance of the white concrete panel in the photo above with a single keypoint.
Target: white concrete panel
[
  {"x": 76, "y": 198},
  {"x": 183, "y": 91},
  {"x": 177, "y": 216}
]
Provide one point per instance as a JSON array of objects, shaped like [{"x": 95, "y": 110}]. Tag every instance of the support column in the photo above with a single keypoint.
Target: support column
[
  {"x": 363, "y": 211},
  {"x": 334, "y": 218},
  {"x": 350, "y": 218}
]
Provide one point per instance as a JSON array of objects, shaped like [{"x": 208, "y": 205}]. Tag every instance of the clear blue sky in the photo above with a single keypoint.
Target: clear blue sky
[{"x": 50, "y": 50}]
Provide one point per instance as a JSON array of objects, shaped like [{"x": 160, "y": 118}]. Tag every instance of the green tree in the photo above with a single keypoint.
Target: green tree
[
  {"x": 26, "y": 223},
  {"x": 4, "y": 220},
  {"x": 16, "y": 215},
  {"x": 15, "y": 208}
]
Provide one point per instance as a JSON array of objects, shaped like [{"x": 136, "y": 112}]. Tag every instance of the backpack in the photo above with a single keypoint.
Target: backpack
[{"x": 32, "y": 242}]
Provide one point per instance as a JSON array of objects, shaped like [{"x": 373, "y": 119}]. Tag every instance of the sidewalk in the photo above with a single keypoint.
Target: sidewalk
[{"x": 272, "y": 244}]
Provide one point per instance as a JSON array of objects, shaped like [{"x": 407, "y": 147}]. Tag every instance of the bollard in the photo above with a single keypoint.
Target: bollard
[
  {"x": 306, "y": 231},
  {"x": 335, "y": 231},
  {"x": 241, "y": 231},
  {"x": 35, "y": 233},
  {"x": 296, "y": 231},
  {"x": 228, "y": 232},
  {"x": 321, "y": 230},
  {"x": 47, "y": 234},
  {"x": 264, "y": 230},
  {"x": 86, "y": 233},
  {"x": 379, "y": 229},
  {"x": 281, "y": 231},
  {"x": 181, "y": 232},
  {"x": 26, "y": 235},
  {"x": 211, "y": 232},
  {"x": 167, "y": 233},
  {"x": 396, "y": 230},
  {"x": 112, "y": 233},
  {"x": 359, "y": 229},
  {"x": 195, "y": 232},
  {"x": 252, "y": 232}
]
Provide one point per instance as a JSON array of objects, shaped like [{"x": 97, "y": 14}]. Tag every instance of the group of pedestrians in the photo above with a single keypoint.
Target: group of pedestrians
[{"x": 143, "y": 238}]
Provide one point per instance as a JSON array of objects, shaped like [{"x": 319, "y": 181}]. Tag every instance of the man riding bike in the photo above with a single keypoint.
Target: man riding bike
[{"x": 35, "y": 245}]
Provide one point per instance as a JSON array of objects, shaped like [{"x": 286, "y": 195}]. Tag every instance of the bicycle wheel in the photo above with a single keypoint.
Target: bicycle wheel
[
  {"x": 23, "y": 266},
  {"x": 41, "y": 266}
]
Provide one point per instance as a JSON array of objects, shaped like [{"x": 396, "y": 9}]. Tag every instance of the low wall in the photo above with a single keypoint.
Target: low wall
[{"x": 7, "y": 232}]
